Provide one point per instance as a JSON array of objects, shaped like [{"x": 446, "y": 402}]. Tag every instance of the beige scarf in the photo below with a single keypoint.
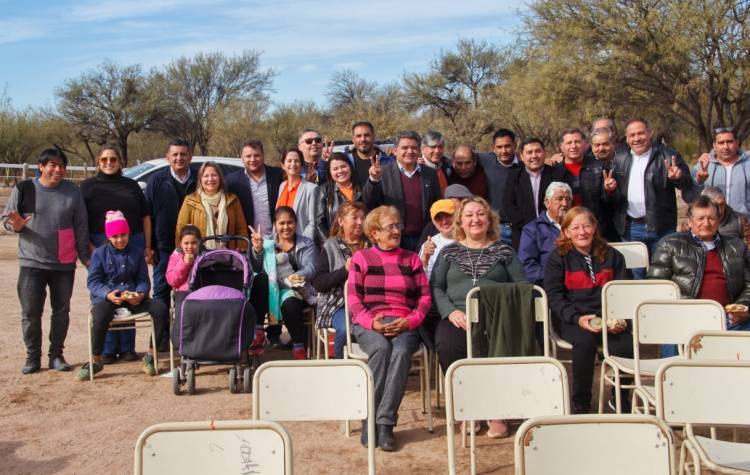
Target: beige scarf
[{"x": 219, "y": 226}]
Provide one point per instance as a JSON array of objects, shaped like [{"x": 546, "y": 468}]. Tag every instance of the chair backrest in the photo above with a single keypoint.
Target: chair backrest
[
  {"x": 620, "y": 298},
  {"x": 239, "y": 447},
  {"x": 505, "y": 388},
  {"x": 675, "y": 321},
  {"x": 312, "y": 390},
  {"x": 541, "y": 315},
  {"x": 719, "y": 345},
  {"x": 634, "y": 252},
  {"x": 594, "y": 444},
  {"x": 316, "y": 390},
  {"x": 704, "y": 392}
]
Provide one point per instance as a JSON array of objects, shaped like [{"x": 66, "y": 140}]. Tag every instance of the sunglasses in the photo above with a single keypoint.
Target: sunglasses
[
  {"x": 723, "y": 130},
  {"x": 108, "y": 160},
  {"x": 313, "y": 140}
]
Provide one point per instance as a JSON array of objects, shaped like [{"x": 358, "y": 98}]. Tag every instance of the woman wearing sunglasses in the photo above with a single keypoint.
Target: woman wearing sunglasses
[{"x": 109, "y": 190}]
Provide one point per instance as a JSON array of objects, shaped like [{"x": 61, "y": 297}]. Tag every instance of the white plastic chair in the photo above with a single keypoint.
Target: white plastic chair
[
  {"x": 634, "y": 252},
  {"x": 316, "y": 390},
  {"x": 620, "y": 298},
  {"x": 136, "y": 320},
  {"x": 706, "y": 393},
  {"x": 213, "y": 447},
  {"x": 421, "y": 357},
  {"x": 667, "y": 322},
  {"x": 719, "y": 345},
  {"x": 501, "y": 388},
  {"x": 596, "y": 444}
]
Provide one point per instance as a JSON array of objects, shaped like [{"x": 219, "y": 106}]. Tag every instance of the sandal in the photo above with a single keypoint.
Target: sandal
[{"x": 498, "y": 429}]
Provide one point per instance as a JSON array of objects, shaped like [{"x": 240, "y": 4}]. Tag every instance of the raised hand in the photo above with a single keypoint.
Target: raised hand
[
  {"x": 610, "y": 184},
  {"x": 256, "y": 237},
  {"x": 327, "y": 149},
  {"x": 17, "y": 221},
  {"x": 702, "y": 174},
  {"x": 429, "y": 248},
  {"x": 674, "y": 173},
  {"x": 376, "y": 173}
]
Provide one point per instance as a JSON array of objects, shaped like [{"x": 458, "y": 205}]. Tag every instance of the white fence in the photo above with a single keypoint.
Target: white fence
[{"x": 12, "y": 173}]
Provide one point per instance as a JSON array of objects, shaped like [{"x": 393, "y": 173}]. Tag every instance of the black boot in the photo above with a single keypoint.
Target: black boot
[
  {"x": 386, "y": 442},
  {"x": 32, "y": 365},
  {"x": 363, "y": 436}
]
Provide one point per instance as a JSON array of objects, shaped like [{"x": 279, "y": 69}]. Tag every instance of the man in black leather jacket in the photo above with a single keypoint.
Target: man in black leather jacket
[
  {"x": 704, "y": 264},
  {"x": 647, "y": 175}
]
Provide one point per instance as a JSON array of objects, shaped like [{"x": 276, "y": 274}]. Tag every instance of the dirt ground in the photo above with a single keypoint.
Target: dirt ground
[{"x": 55, "y": 424}]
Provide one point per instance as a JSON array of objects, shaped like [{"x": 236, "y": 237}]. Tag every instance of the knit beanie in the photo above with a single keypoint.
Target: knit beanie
[{"x": 115, "y": 223}]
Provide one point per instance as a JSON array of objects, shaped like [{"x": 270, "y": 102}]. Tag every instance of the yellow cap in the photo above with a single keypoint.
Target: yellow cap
[{"x": 442, "y": 206}]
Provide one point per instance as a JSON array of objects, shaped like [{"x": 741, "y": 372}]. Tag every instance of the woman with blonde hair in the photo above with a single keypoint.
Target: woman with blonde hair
[
  {"x": 574, "y": 276},
  {"x": 213, "y": 210},
  {"x": 334, "y": 261},
  {"x": 478, "y": 257}
]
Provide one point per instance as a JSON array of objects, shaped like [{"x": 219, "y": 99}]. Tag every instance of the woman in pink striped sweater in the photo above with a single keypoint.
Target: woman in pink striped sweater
[{"x": 389, "y": 296}]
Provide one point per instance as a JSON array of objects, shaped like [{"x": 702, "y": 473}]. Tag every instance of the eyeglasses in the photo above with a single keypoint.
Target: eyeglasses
[
  {"x": 723, "y": 130},
  {"x": 392, "y": 227},
  {"x": 313, "y": 140},
  {"x": 108, "y": 160}
]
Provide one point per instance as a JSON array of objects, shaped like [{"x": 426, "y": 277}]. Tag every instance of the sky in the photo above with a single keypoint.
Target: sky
[{"x": 43, "y": 43}]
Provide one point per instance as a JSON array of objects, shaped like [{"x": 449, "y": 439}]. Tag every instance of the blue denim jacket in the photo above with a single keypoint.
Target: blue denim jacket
[{"x": 111, "y": 269}]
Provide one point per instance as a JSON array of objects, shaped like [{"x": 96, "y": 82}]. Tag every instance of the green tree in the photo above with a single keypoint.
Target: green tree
[
  {"x": 107, "y": 104},
  {"x": 194, "y": 89},
  {"x": 687, "y": 60}
]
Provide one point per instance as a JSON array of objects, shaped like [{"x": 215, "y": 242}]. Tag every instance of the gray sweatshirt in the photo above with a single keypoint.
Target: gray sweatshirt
[{"x": 58, "y": 229}]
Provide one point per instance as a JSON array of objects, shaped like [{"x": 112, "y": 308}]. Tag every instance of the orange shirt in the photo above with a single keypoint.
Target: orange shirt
[
  {"x": 287, "y": 195},
  {"x": 347, "y": 192}
]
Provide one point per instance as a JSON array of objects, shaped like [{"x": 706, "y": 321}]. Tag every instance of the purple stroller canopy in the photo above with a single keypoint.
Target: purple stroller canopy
[{"x": 227, "y": 258}]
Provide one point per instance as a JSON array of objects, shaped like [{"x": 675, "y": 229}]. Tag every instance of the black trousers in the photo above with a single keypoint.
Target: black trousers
[
  {"x": 103, "y": 312},
  {"x": 585, "y": 345},
  {"x": 291, "y": 312},
  {"x": 450, "y": 342}
]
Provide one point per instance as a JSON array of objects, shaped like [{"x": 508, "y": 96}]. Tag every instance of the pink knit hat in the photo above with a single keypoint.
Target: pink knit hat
[{"x": 115, "y": 223}]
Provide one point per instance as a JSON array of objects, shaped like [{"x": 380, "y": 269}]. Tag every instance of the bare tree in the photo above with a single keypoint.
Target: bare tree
[{"x": 346, "y": 88}]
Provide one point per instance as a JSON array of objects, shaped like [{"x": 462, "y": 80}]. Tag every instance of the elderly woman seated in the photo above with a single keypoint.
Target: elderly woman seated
[
  {"x": 389, "y": 297},
  {"x": 539, "y": 236}
]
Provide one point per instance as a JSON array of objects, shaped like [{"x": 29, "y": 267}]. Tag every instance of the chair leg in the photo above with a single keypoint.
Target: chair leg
[
  {"x": 421, "y": 386},
  {"x": 91, "y": 349},
  {"x": 426, "y": 363},
  {"x": 156, "y": 349},
  {"x": 602, "y": 376}
]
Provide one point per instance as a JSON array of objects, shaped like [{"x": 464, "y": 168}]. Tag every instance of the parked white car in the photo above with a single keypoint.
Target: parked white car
[{"x": 143, "y": 171}]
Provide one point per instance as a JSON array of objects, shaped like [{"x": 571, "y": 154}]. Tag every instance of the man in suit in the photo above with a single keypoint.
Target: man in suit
[
  {"x": 406, "y": 185},
  {"x": 525, "y": 187},
  {"x": 257, "y": 187}
]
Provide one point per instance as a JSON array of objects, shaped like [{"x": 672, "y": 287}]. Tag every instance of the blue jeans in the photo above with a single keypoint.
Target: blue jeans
[
  {"x": 638, "y": 232},
  {"x": 339, "y": 324},
  {"x": 122, "y": 341}
]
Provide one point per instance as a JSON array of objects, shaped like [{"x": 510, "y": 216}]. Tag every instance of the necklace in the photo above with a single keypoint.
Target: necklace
[{"x": 474, "y": 266}]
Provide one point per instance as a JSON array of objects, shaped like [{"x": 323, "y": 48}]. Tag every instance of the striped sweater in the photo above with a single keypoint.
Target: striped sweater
[{"x": 389, "y": 283}]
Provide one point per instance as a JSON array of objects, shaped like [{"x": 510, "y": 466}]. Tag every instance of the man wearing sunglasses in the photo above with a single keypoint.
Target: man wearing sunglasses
[
  {"x": 727, "y": 168},
  {"x": 311, "y": 145},
  {"x": 49, "y": 216}
]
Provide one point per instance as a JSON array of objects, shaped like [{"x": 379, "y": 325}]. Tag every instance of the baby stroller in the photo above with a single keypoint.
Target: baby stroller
[{"x": 214, "y": 320}]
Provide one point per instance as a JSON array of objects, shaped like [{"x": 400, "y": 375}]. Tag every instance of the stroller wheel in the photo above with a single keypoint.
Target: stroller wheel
[
  {"x": 247, "y": 379},
  {"x": 233, "y": 379},
  {"x": 176, "y": 381},
  {"x": 191, "y": 380}
]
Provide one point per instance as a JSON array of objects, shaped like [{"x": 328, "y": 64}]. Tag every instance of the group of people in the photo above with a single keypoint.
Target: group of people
[{"x": 402, "y": 234}]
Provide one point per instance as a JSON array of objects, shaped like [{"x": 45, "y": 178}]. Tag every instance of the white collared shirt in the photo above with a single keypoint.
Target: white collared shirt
[
  {"x": 261, "y": 214},
  {"x": 411, "y": 173},
  {"x": 536, "y": 180},
  {"x": 557, "y": 225},
  {"x": 636, "y": 185},
  {"x": 178, "y": 178}
]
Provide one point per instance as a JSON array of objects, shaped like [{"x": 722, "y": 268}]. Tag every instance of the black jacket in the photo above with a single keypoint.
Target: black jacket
[
  {"x": 239, "y": 183},
  {"x": 389, "y": 191},
  {"x": 601, "y": 203},
  {"x": 329, "y": 211},
  {"x": 661, "y": 203},
  {"x": 164, "y": 205},
  {"x": 681, "y": 259},
  {"x": 520, "y": 207}
]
